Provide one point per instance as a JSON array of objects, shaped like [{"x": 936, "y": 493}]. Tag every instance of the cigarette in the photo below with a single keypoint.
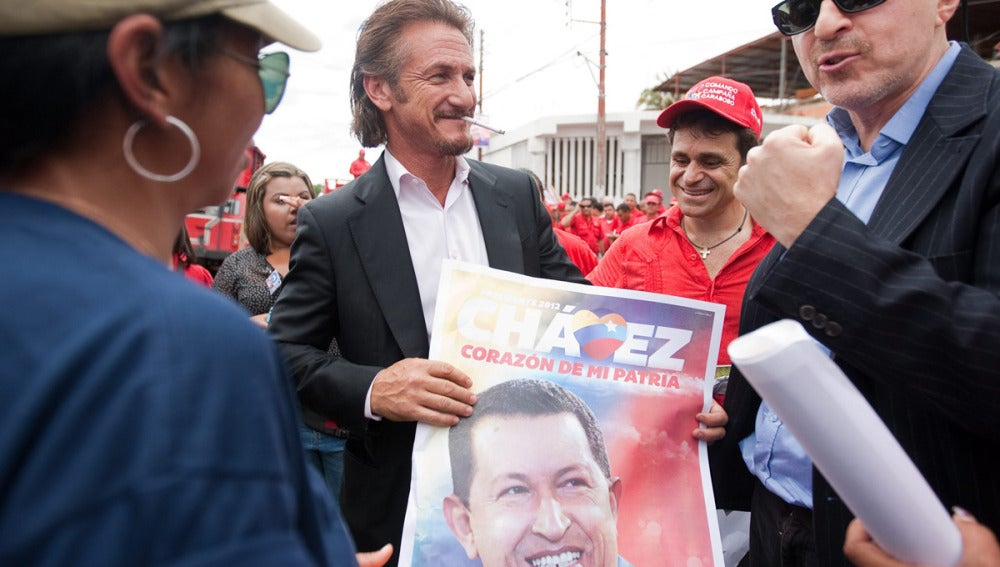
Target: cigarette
[{"x": 481, "y": 125}]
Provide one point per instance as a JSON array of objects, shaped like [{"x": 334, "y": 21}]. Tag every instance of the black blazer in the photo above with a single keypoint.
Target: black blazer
[
  {"x": 907, "y": 304},
  {"x": 351, "y": 277}
]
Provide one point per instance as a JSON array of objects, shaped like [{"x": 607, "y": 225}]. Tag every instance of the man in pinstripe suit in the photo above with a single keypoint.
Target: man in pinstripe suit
[{"x": 888, "y": 226}]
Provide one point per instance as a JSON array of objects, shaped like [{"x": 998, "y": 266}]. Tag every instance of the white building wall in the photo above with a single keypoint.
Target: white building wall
[{"x": 560, "y": 149}]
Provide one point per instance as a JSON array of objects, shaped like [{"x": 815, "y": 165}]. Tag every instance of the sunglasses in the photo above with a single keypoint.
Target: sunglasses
[
  {"x": 796, "y": 16},
  {"x": 273, "y": 71}
]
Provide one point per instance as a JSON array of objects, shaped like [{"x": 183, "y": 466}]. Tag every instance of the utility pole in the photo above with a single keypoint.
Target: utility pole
[
  {"x": 600, "y": 188},
  {"x": 479, "y": 99}
]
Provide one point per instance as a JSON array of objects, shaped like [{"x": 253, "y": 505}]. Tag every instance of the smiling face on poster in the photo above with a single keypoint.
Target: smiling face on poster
[
  {"x": 579, "y": 449},
  {"x": 532, "y": 481}
]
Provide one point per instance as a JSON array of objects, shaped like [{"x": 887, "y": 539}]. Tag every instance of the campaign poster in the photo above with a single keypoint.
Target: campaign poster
[{"x": 517, "y": 485}]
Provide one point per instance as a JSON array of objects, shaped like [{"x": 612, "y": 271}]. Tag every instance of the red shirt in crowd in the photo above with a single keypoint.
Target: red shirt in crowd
[
  {"x": 658, "y": 257},
  {"x": 196, "y": 272},
  {"x": 586, "y": 228},
  {"x": 577, "y": 250},
  {"x": 359, "y": 167},
  {"x": 636, "y": 218},
  {"x": 607, "y": 224}
]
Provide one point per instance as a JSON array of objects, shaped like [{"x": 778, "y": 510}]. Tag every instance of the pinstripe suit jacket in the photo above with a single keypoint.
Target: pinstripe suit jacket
[
  {"x": 908, "y": 305},
  {"x": 351, "y": 277}
]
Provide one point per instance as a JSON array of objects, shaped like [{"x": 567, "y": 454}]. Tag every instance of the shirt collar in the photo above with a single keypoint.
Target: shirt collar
[
  {"x": 669, "y": 219},
  {"x": 397, "y": 171},
  {"x": 902, "y": 124}
]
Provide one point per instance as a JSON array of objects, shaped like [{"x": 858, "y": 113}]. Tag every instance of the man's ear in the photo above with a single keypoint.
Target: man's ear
[
  {"x": 379, "y": 92},
  {"x": 615, "y": 495},
  {"x": 460, "y": 522},
  {"x": 134, "y": 56},
  {"x": 946, "y": 9}
]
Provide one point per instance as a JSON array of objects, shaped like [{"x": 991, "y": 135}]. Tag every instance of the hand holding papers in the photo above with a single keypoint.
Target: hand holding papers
[{"x": 848, "y": 443}]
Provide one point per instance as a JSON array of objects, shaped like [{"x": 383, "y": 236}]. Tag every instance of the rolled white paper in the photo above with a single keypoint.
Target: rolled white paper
[{"x": 848, "y": 443}]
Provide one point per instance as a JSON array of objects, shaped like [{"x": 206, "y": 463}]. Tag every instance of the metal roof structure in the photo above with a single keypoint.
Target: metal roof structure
[{"x": 769, "y": 65}]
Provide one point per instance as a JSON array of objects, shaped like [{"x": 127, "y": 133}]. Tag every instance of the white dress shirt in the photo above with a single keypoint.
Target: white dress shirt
[{"x": 435, "y": 232}]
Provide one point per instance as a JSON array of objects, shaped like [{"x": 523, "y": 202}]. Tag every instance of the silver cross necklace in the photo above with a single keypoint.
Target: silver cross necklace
[{"x": 704, "y": 251}]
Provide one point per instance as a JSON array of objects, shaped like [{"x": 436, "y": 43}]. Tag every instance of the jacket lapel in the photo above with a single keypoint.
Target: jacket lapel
[
  {"x": 936, "y": 153},
  {"x": 379, "y": 237},
  {"x": 496, "y": 219}
]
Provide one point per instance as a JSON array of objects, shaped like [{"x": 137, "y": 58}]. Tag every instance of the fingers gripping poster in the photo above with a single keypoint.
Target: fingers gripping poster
[{"x": 579, "y": 450}]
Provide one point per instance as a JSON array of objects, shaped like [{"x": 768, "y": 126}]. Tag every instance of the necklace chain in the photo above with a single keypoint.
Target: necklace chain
[{"x": 704, "y": 251}]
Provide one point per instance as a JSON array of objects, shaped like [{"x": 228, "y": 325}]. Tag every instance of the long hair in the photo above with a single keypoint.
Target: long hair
[
  {"x": 183, "y": 252},
  {"x": 380, "y": 54},
  {"x": 255, "y": 225}
]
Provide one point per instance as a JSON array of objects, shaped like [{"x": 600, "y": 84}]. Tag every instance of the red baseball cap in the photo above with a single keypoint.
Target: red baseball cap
[{"x": 730, "y": 99}]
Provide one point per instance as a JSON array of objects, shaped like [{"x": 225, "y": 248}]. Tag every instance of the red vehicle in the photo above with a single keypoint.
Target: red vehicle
[
  {"x": 217, "y": 232},
  {"x": 332, "y": 184}
]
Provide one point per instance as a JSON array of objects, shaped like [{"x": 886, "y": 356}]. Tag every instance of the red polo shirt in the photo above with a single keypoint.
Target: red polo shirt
[
  {"x": 657, "y": 257},
  {"x": 588, "y": 229}
]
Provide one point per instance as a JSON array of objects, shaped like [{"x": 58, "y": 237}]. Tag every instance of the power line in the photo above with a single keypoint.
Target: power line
[{"x": 568, "y": 54}]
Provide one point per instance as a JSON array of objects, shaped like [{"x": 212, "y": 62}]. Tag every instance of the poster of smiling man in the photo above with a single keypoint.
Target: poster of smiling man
[{"x": 579, "y": 448}]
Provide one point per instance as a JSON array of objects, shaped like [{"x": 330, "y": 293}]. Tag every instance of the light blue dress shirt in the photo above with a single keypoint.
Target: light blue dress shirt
[{"x": 771, "y": 453}]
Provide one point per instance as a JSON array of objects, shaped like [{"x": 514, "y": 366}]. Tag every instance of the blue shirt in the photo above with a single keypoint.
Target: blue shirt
[
  {"x": 143, "y": 419},
  {"x": 771, "y": 453},
  {"x": 867, "y": 173}
]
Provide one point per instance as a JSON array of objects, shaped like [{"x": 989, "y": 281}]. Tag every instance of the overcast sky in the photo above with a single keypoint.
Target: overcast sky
[{"x": 531, "y": 66}]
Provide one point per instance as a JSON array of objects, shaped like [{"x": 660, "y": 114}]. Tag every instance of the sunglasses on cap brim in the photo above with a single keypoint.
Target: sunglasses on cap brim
[{"x": 793, "y": 17}]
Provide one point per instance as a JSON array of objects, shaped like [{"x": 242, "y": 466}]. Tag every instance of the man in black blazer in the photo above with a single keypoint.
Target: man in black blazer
[
  {"x": 366, "y": 260},
  {"x": 889, "y": 255}
]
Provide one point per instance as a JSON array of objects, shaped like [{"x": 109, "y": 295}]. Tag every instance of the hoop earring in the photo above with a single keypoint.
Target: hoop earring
[{"x": 134, "y": 163}]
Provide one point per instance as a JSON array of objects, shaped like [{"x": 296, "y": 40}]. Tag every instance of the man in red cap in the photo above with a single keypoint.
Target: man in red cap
[
  {"x": 707, "y": 246},
  {"x": 659, "y": 193},
  {"x": 652, "y": 204}
]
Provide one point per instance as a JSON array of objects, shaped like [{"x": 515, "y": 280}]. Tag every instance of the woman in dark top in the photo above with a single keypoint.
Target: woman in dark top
[{"x": 254, "y": 275}]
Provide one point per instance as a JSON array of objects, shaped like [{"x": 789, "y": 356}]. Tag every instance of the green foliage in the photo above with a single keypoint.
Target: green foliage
[{"x": 650, "y": 99}]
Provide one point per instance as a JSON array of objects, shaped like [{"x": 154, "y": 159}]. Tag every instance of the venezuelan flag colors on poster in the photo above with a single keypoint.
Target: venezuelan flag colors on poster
[{"x": 642, "y": 363}]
